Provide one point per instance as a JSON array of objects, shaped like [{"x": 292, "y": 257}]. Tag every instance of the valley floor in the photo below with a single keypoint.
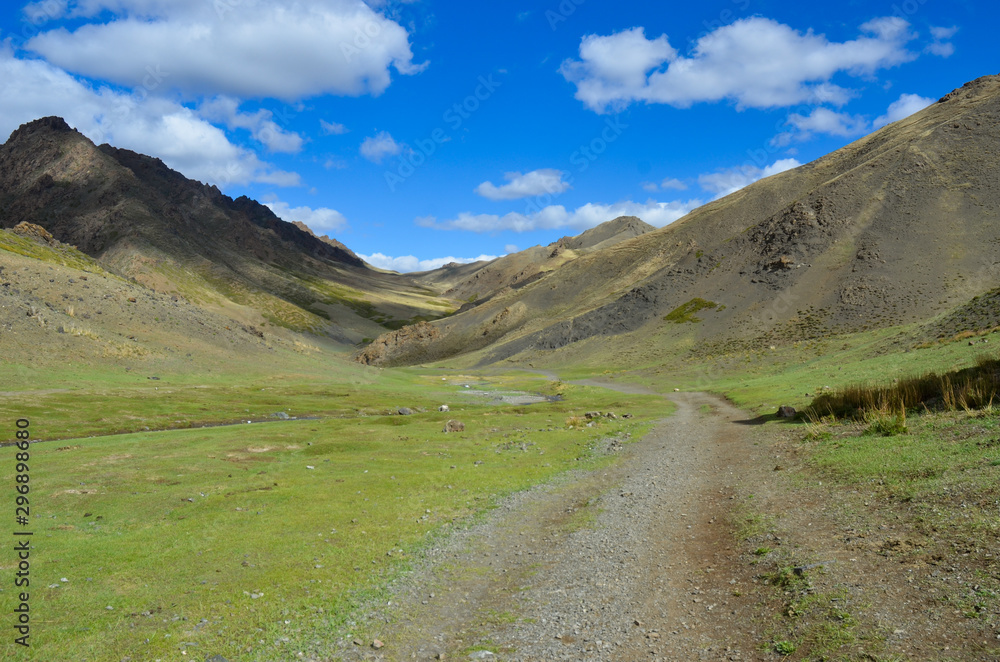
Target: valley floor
[{"x": 702, "y": 542}]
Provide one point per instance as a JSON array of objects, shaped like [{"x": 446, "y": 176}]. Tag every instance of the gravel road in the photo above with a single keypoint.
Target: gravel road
[{"x": 622, "y": 563}]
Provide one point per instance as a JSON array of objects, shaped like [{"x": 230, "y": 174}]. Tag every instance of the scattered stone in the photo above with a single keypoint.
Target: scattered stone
[
  {"x": 481, "y": 655},
  {"x": 377, "y": 643},
  {"x": 217, "y": 658},
  {"x": 443, "y": 408},
  {"x": 784, "y": 411},
  {"x": 280, "y": 414},
  {"x": 404, "y": 411},
  {"x": 677, "y": 390},
  {"x": 454, "y": 426},
  {"x": 591, "y": 415}
]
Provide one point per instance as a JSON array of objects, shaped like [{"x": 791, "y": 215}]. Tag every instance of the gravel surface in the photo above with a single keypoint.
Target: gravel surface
[{"x": 606, "y": 565}]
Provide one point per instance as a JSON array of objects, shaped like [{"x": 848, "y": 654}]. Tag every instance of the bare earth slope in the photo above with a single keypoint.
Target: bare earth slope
[
  {"x": 479, "y": 282},
  {"x": 896, "y": 227}
]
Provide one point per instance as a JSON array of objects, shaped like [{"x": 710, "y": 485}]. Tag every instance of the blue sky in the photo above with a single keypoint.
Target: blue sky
[{"x": 423, "y": 131}]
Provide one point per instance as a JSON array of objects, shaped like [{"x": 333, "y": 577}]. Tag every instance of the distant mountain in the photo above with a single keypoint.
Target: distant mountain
[
  {"x": 481, "y": 281},
  {"x": 900, "y": 226},
  {"x": 142, "y": 220}
]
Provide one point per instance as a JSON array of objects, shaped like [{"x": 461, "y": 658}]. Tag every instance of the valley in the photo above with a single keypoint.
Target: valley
[{"x": 239, "y": 446}]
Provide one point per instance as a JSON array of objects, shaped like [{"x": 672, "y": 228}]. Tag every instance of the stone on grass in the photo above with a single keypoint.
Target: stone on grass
[
  {"x": 404, "y": 411},
  {"x": 784, "y": 411},
  {"x": 454, "y": 426},
  {"x": 443, "y": 408}
]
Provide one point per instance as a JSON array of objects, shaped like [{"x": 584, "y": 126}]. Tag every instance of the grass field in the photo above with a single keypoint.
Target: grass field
[{"x": 256, "y": 541}]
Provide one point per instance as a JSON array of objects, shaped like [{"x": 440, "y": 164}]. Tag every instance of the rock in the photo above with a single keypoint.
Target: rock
[
  {"x": 36, "y": 232},
  {"x": 443, "y": 408},
  {"x": 404, "y": 411},
  {"x": 377, "y": 643},
  {"x": 610, "y": 415},
  {"x": 217, "y": 658},
  {"x": 784, "y": 411},
  {"x": 280, "y": 414},
  {"x": 677, "y": 390},
  {"x": 387, "y": 347},
  {"x": 481, "y": 655},
  {"x": 454, "y": 426},
  {"x": 591, "y": 415}
]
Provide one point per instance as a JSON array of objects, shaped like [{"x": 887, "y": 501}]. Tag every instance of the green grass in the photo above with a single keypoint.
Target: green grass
[
  {"x": 179, "y": 530},
  {"x": 685, "y": 313},
  {"x": 62, "y": 254}
]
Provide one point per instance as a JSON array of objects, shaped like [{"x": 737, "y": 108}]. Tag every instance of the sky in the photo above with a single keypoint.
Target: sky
[{"x": 421, "y": 132}]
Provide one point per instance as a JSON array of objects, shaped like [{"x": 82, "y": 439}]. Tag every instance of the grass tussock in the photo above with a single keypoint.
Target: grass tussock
[{"x": 884, "y": 406}]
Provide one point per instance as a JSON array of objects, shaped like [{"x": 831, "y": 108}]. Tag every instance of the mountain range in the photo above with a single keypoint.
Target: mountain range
[{"x": 899, "y": 227}]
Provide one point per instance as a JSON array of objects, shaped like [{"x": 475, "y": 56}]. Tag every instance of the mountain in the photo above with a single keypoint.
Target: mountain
[
  {"x": 897, "y": 227},
  {"x": 141, "y": 220},
  {"x": 481, "y": 281}
]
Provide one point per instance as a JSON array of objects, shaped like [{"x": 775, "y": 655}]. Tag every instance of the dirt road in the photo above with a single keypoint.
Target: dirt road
[
  {"x": 641, "y": 561},
  {"x": 620, "y": 564}
]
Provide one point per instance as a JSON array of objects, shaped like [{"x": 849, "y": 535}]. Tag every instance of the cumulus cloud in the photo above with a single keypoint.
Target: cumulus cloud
[
  {"x": 197, "y": 47},
  {"x": 260, "y": 124},
  {"x": 824, "y": 120},
  {"x": 756, "y": 62},
  {"x": 332, "y": 128},
  {"x": 321, "y": 220},
  {"x": 536, "y": 182},
  {"x": 407, "y": 263},
  {"x": 904, "y": 106},
  {"x": 556, "y": 216},
  {"x": 30, "y": 89},
  {"x": 723, "y": 182},
  {"x": 376, "y": 148},
  {"x": 941, "y": 46},
  {"x": 667, "y": 184}
]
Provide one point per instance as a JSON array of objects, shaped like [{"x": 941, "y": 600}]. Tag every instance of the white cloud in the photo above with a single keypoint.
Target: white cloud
[
  {"x": 904, "y": 106},
  {"x": 30, "y": 89},
  {"x": 333, "y": 128},
  {"x": 730, "y": 180},
  {"x": 510, "y": 248},
  {"x": 756, "y": 62},
  {"x": 376, "y": 148},
  {"x": 824, "y": 120},
  {"x": 667, "y": 184},
  {"x": 260, "y": 124},
  {"x": 944, "y": 33},
  {"x": 407, "y": 263},
  {"x": 321, "y": 220},
  {"x": 941, "y": 46},
  {"x": 556, "y": 216},
  {"x": 536, "y": 182},
  {"x": 245, "y": 49}
]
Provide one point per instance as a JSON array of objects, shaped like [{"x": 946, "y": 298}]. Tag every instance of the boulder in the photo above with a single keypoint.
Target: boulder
[
  {"x": 784, "y": 411},
  {"x": 443, "y": 408},
  {"x": 454, "y": 426},
  {"x": 404, "y": 411}
]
